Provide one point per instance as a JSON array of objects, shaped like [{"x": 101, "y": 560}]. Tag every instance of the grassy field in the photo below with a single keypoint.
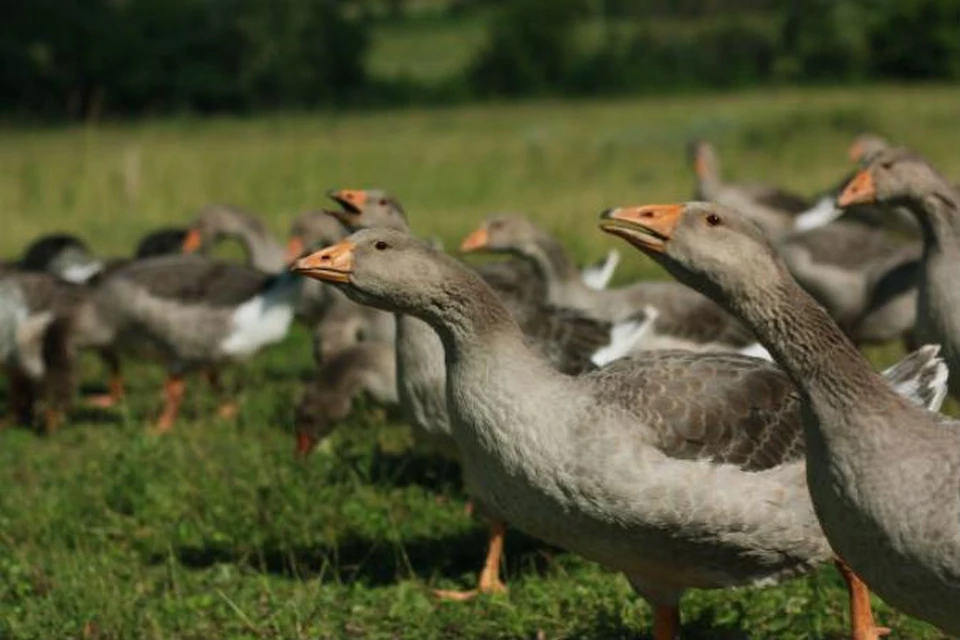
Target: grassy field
[{"x": 216, "y": 531}]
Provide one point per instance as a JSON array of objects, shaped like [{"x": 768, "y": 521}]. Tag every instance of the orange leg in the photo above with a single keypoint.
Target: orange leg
[
  {"x": 861, "y": 614},
  {"x": 173, "y": 396},
  {"x": 666, "y": 623},
  {"x": 490, "y": 575},
  {"x": 115, "y": 390},
  {"x": 227, "y": 408}
]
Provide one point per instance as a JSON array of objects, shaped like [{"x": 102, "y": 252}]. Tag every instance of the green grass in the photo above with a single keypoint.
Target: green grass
[{"x": 216, "y": 531}]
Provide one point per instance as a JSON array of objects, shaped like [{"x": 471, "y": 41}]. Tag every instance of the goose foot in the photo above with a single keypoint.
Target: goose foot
[
  {"x": 489, "y": 581},
  {"x": 861, "y": 614},
  {"x": 173, "y": 396},
  {"x": 52, "y": 419},
  {"x": 112, "y": 397},
  {"x": 666, "y": 622},
  {"x": 228, "y": 410}
]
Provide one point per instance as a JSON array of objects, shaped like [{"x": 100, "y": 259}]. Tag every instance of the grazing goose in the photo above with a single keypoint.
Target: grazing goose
[
  {"x": 34, "y": 351},
  {"x": 572, "y": 343},
  {"x": 772, "y": 208},
  {"x": 679, "y": 470},
  {"x": 900, "y": 177},
  {"x": 685, "y": 319},
  {"x": 368, "y": 367},
  {"x": 884, "y": 474},
  {"x": 191, "y": 312}
]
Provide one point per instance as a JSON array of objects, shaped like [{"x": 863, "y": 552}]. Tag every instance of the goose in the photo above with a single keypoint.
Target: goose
[
  {"x": 685, "y": 319},
  {"x": 189, "y": 312},
  {"x": 901, "y": 177},
  {"x": 338, "y": 321},
  {"x": 161, "y": 242},
  {"x": 216, "y": 222},
  {"x": 774, "y": 209},
  {"x": 63, "y": 255},
  {"x": 572, "y": 342},
  {"x": 365, "y": 367},
  {"x": 33, "y": 350},
  {"x": 883, "y": 473},
  {"x": 679, "y": 470}
]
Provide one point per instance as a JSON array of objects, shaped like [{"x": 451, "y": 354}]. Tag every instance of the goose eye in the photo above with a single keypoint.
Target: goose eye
[
  {"x": 383, "y": 202},
  {"x": 380, "y": 245},
  {"x": 713, "y": 219}
]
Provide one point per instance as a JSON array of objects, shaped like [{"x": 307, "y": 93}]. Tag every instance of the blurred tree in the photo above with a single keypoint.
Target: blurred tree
[{"x": 916, "y": 39}]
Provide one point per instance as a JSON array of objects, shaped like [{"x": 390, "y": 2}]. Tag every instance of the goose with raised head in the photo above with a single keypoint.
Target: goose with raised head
[
  {"x": 901, "y": 177},
  {"x": 679, "y": 470},
  {"x": 338, "y": 321},
  {"x": 572, "y": 342},
  {"x": 684, "y": 318},
  {"x": 883, "y": 474},
  {"x": 217, "y": 222}
]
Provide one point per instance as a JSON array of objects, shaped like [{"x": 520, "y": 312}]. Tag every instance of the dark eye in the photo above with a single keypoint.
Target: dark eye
[
  {"x": 713, "y": 219},
  {"x": 383, "y": 202},
  {"x": 380, "y": 245}
]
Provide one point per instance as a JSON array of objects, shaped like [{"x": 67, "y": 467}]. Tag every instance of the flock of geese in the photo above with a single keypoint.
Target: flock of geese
[{"x": 720, "y": 431}]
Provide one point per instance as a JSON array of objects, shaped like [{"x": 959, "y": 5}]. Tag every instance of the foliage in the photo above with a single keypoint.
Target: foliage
[{"x": 80, "y": 57}]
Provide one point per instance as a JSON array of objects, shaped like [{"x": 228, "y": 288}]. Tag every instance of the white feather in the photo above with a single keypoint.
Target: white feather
[
  {"x": 80, "y": 273},
  {"x": 598, "y": 277},
  {"x": 820, "y": 214},
  {"x": 262, "y": 320},
  {"x": 624, "y": 337},
  {"x": 756, "y": 350}
]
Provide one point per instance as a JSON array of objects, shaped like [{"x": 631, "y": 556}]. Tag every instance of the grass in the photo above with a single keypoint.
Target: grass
[{"x": 216, "y": 531}]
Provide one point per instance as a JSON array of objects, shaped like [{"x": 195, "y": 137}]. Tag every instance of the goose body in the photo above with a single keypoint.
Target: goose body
[
  {"x": 680, "y": 470},
  {"x": 883, "y": 473}
]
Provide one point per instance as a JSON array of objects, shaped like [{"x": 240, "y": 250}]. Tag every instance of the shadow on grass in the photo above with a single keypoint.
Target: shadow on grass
[{"x": 373, "y": 562}]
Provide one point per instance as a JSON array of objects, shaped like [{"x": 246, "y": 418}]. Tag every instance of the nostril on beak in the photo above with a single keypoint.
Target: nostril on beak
[{"x": 646, "y": 214}]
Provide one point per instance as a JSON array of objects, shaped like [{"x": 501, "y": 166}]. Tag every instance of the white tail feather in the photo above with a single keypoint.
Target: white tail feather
[
  {"x": 599, "y": 276},
  {"x": 624, "y": 337}
]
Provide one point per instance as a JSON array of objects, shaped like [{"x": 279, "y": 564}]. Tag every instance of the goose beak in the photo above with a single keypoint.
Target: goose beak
[
  {"x": 192, "y": 241},
  {"x": 860, "y": 190},
  {"x": 476, "y": 241},
  {"x": 352, "y": 200},
  {"x": 305, "y": 444},
  {"x": 648, "y": 227},
  {"x": 295, "y": 247},
  {"x": 333, "y": 264}
]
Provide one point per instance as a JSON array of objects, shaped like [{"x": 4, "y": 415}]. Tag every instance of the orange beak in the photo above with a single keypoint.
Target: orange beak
[
  {"x": 476, "y": 241},
  {"x": 333, "y": 264},
  {"x": 305, "y": 444},
  {"x": 860, "y": 190},
  {"x": 352, "y": 200},
  {"x": 192, "y": 242},
  {"x": 295, "y": 247},
  {"x": 647, "y": 227}
]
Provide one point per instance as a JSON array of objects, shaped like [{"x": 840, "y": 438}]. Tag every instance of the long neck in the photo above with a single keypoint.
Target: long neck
[
  {"x": 829, "y": 371},
  {"x": 265, "y": 252},
  {"x": 939, "y": 288},
  {"x": 469, "y": 315},
  {"x": 553, "y": 262}
]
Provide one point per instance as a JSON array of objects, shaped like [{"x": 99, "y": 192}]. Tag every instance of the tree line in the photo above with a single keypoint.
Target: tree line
[{"x": 87, "y": 58}]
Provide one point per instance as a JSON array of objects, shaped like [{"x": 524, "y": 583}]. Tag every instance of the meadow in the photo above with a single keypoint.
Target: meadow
[{"x": 216, "y": 530}]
